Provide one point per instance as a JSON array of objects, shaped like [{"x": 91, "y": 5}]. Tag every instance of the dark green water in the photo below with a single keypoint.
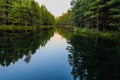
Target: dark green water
[{"x": 57, "y": 55}]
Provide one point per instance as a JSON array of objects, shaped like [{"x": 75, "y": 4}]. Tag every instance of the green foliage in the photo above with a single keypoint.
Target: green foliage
[
  {"x": 5, "y": 6},
  {"x": 24, "y": 13},
  {"x": 99, "y": 15},
  {"x": 65, "y": 19},
  {"x": 27, "y": 28}
]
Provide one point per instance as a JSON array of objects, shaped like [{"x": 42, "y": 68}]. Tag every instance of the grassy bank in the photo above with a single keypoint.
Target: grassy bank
[
  {"x": 89, "y": 32},
  {"x": 11, "y": 27},
  {"x": 107, "y": 34}
]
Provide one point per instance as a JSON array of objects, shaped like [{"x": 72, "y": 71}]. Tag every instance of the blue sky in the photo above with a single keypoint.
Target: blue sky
[{"x": 56, "y": 7}]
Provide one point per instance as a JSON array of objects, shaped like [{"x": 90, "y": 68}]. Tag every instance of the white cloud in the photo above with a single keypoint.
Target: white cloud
[{"x": 56, "y": 7}]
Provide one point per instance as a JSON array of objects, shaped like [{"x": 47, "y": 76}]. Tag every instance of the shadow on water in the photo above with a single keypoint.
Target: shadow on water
[
  {"x": 93, "y": 58},
  {"x": 15, "y": 45}
]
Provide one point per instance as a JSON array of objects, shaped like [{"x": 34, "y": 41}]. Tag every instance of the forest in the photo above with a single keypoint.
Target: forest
[
  {"x": 96, "y": 15},
  {"x": 89, "y": 15},
  {"x": 24, "y": 13},
  {"x": 83, "y": 43}
]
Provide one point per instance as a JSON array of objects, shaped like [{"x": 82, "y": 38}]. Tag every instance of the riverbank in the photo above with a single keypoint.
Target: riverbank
[
  {"x": 88, "y": 32},
  {"x": 107, "y": 34},
  {"x": 11, "y": 27}
]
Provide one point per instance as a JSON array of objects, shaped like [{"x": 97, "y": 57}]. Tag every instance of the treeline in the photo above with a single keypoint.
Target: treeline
[
  {"x": 94, "y": 14},
  {"x": 24, "y": 13},
  {"x": 65, "y": 19}
]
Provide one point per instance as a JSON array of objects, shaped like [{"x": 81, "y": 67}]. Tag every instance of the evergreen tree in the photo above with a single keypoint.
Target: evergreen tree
[
  {"x": 5, "y": 7},
  {"x": 97, "y": 14},
  {"x": 24, "y": 12}
]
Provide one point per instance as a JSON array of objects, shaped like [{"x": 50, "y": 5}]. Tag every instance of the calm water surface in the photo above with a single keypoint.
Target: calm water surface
[{"x": 57, "y": 55}]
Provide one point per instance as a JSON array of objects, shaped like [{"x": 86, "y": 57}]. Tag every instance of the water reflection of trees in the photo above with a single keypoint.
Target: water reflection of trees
[
  {"x": 65, "y": 32},
  {"x": 14, "y": 45},
  {"x": 94, "y": 58}
]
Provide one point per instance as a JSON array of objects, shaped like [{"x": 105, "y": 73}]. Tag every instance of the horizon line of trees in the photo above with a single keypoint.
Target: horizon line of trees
[
  {"x": 24, "y": 13},
  {"x": 93, "y": 14}
]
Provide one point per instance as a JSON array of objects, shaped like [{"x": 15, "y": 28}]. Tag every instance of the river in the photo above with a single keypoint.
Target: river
[{"x": 57, "y": 55}]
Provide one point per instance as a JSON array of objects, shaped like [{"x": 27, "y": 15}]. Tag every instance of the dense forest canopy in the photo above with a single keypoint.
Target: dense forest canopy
[
  {"x": 24, "y": 13},
  {"x": 93, "y": 14},
  {"x": 97, "y": 15}
]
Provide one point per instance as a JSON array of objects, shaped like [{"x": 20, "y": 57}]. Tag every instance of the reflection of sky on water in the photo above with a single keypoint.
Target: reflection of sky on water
[{"x": 48, "y": 63}]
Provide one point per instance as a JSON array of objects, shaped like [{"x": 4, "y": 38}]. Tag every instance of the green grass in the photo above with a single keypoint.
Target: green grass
[
  {"x": 107, "y": 34},
  {"x": 6, "y": 27}
]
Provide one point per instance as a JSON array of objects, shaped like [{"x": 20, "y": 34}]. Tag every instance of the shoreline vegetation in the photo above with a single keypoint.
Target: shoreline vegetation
[
  {"x": 70, "y": 29},
  {"x": 12, "y": 28},
  {"x": 93, "y": 17},
  {"x": 96, "y": 19},
  {"x": 107, "y": 34},
  {"x": 90, "y": 32}
]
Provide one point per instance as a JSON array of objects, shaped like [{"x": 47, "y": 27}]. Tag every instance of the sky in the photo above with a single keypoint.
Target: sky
[{"x": 56, "y": 7}]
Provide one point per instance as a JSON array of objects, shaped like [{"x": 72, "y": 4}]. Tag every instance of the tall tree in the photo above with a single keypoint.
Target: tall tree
[
  {"x": 24, "y": 12},
  {"x": 97, "y": 14},
  {"x": 5, "y": 7}
]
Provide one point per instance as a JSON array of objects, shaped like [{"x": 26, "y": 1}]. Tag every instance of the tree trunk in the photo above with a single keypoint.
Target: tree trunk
[{"x": 98, "y": 20}]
